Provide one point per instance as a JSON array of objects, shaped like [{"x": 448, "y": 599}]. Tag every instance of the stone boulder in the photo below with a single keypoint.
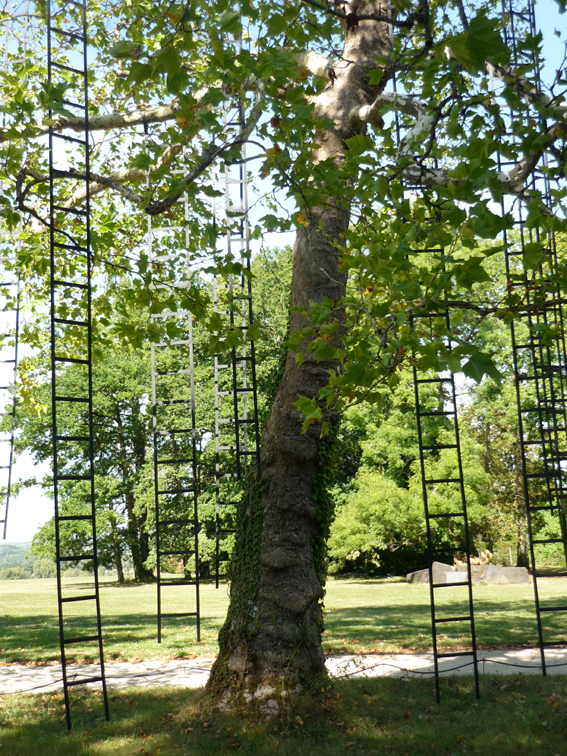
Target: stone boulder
[
  {"x": 480, "y": 573},
  {"x": 440, "y": 571},
  {"x": 507, "y": 575}
]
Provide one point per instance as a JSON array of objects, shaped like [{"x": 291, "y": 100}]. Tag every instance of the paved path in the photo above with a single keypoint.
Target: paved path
[{"x": 194, "y": 673}]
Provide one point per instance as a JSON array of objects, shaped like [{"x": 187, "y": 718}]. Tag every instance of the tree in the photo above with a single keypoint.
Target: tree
[{"x": 312, "y": 94}]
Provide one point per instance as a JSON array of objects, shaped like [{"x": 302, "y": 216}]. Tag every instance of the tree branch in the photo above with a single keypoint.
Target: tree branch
[
  {"x": 105, "y": 122},
  {"x": 314, "y": 64},
  {"x": 209, "y": 154}
]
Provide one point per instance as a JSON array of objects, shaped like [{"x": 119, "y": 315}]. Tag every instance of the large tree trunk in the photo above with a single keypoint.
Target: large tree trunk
[{"x": 272, "y": 635}]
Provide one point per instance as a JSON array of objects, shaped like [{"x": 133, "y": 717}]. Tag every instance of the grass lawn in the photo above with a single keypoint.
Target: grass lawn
[
  {"x": 516, "y": 716},
  {"x": 361, "y": 616}
]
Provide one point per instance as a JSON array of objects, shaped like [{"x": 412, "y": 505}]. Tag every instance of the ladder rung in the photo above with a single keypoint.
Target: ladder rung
[
  {"x": 550, "y": 574},
  {"x": 437, "y": 413},
  {"x": 78, "y": 598},
  {"x": 548, "y": 540},
  {"x": 72, "y": 399},
  {"x": 174, "y": 432},
  {"x": 446, "y": 515},
  {"x": 553, "y": 609},
  {"x": 74, "y": 104},
  {"x": 71, "y": 360},
  {"x": 68, "y": 68},
  {"x": 177, "y": 582},
  {"x": 73, "y": 477},
  {"x": 72, "y": 210},
  {"x": 71, "y": 322},
  {"x": 434, "y": 447},
  {"x": 67, "y": 138},
  {"x": 78, "y": 558},
  {"x": 82, "y": 639},
  {"x": 72, "y": 518},
  {"x": 71, "y": 248},
  {"x": 433, "y": 380},
  {"x": 70, "y": 35},
  {"x": 84, "y": 680},
  {"x": 185, "y": 552},
  {"x": 177, "y": 491},
  {"x": 430, "y": 481},
  {"x": 166, "y": 402},
  {"x": 173, "y": 461},
  {"x": 179, "y": 614},
  {"x": 180, "y": 521},
  {"x": 70, "y": 283},
  {"x": 465, "y": 618},
  {"x": 72, "y": 438}
]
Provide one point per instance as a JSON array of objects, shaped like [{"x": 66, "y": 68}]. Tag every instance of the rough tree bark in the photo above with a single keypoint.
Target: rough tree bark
[{"x": 271, "y": 639}]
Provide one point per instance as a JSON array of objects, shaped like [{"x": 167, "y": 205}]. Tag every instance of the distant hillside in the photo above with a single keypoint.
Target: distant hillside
[{"x": 10, "y": 552}]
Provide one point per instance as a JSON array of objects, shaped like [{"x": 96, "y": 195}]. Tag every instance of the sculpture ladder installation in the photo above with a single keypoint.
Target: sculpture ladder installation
[
  {"x": 175, "y": 431},
  {"x": 71, "y": 262},
  {"x": 237, "y": 435},
  {"x": 438, "y": 433},
  {"x": 539, "y": 356}
]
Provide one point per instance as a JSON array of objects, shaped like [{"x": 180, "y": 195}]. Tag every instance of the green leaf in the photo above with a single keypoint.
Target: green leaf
[
  {"x": 479, "y": 365},
  {"x": 359, "y": 144},
  {"x": 479, "y": 43},
  {"x": 532, "y": 255},
  {"x": 125, "y": 50}
]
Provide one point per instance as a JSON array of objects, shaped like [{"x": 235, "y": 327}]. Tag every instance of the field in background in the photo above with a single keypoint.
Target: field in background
[{"x": 361, "y": 616}]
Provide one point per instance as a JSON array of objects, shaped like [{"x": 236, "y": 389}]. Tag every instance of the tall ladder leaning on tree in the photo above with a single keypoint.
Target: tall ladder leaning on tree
[
  {"x": 175, "y": 432},
  {"x": 237, "y": 435},
  {"x": 14, "y": 57},
  {"x": 437, "y": 417},
  {"x": 71, "y": 262},
  {"x": 540, "y": 365}
]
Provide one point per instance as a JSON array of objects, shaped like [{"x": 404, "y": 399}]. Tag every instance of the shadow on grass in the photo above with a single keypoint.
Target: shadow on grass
[
  {"x": 35, "y": 638},
  {"x": 407, "y": 627},
  {"x": 364, "y": 717}
]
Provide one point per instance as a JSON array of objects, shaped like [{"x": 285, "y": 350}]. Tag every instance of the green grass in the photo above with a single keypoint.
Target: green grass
[
  {"x": 518, "y": 716},
  {"x": 361, "y": 616}
]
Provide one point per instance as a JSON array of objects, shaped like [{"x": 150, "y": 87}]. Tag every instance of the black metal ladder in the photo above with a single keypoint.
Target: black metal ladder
[
  {"x": 237, "y": 440},
  {"x": 540, "y": 378},
  {"x": 540, "y": 364},
  {"x": 431, "y": 407},
  {"x": 175, "y": 430},
  {"x": 71, "y": 342}
]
